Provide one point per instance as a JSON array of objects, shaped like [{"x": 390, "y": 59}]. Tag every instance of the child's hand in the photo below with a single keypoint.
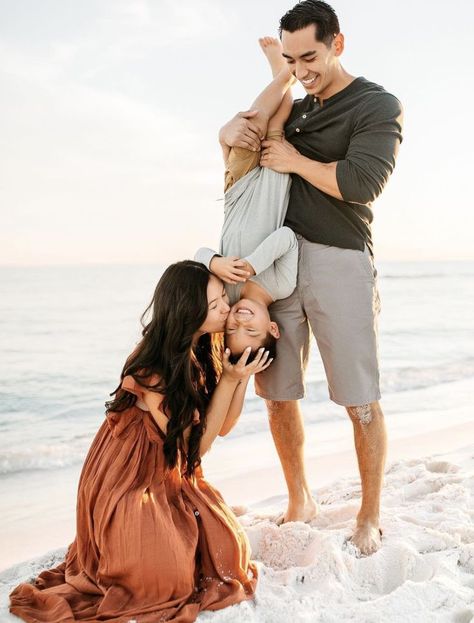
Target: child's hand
[
  {"x": 230, "y": 269},
  {"x": 241, "y": 370}
]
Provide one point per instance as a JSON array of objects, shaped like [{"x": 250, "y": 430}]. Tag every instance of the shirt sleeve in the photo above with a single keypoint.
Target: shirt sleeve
[
  {"x": 373, "y": 147},
  {"x": 278, "y": 248},
  {"x": 205, "y": 255}
]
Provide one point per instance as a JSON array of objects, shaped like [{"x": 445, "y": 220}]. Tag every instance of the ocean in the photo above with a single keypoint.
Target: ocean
[{"x": 66, "y": 331}]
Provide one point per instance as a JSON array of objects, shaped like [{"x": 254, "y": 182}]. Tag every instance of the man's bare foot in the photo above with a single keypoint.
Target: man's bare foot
[
  {"x": 305, "y": 512},
  {"x": 367, "y": 538},
  {"x": 272, "y": 48}
]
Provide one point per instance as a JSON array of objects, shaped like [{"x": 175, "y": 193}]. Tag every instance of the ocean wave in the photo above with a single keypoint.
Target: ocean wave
[
  {"x": 395, "y": 381},
  {"x": 41, "y": 457},
  {"x": 72, "y": 451},
  {"x": 427, "y": 276},
  {"x": 410, "y": 378}
]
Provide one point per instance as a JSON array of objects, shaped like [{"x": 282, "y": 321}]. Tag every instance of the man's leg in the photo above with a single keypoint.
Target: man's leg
[
  {"x": 286, "y": 424},
  {"x": 342, "y": 304},
  {"x": 282, "y": 386},
  {"x": 371, "y": 446}
]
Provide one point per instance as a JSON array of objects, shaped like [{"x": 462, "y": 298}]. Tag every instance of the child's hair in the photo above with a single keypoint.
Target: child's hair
[{"x": 269, "y": 343}]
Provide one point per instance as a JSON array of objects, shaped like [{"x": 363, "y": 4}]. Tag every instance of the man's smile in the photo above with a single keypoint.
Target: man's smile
[{"x": 309, "y": 81}]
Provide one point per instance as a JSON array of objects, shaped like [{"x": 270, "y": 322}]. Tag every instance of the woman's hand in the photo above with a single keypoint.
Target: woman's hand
[
  {"x": 280, "y": 156},
  {"x": 230, "y": 269},
  {"x": 241, "y": 370}
]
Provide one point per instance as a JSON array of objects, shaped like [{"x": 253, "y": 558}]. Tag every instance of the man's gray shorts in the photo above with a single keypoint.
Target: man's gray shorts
[{"x": 337, "y": 298}]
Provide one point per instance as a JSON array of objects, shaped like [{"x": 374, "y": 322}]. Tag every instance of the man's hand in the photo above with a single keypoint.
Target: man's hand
[
  {"x": 240, "y": 131},
  {"x": 279, "y": 156},
  {"x": 231, "y": 269}
]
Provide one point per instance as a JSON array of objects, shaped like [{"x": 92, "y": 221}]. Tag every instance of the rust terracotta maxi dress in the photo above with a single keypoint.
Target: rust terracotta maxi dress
[{"x": 152, "y": 544}]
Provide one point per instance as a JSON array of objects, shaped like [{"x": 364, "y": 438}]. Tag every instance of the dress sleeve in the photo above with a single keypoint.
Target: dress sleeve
[{"x": 130, "y": 385}]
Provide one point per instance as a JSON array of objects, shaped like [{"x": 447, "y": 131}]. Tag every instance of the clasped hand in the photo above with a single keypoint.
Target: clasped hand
[
  {"x": 280, "y": 156},
  {"x": 231, "y": 269}
]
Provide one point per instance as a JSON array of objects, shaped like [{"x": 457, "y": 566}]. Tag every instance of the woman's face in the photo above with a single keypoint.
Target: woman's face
[{"x": 217, "y": 307}]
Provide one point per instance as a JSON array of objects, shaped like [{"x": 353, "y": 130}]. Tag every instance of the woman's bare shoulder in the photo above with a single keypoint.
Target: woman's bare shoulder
[{"x": 153, "y": 401}]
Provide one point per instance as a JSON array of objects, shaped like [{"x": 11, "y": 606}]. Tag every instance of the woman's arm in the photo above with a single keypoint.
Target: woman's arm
[
  {"x": 235, "y": 408},
  {"x": 224, "y": 408},
  {"x": 224, "y": 393},
  {"x": 226, "y": 402}
]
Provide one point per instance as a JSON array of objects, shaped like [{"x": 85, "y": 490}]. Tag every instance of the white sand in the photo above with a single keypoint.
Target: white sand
[{"x": 423, "y": 573}]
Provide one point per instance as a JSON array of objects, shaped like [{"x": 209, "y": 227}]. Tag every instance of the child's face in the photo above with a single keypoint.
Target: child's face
[{"x": 248, "y": 324}]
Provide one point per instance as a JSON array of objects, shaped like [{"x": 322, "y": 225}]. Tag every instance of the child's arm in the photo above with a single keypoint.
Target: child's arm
[
  {"x": 270, "y": 101},
  {"x": 277, "y": 245},
  {"x": 272, "y": 107}
]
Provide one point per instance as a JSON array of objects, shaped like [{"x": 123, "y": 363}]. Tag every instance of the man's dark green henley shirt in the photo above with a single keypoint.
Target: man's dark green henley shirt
[{"x": 360, "y": 129}]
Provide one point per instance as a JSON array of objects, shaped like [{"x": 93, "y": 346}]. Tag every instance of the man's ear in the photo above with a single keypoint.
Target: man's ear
[
  {"x": 338, "y": 44},
  {"x": 274, "y": 330}
]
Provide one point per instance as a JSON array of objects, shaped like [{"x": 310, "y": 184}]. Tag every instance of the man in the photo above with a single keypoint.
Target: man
[{"x": 342, "y": 140}]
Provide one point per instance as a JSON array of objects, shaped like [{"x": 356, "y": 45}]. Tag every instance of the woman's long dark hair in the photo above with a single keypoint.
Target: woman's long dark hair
[{"x": 188, "y": 373}]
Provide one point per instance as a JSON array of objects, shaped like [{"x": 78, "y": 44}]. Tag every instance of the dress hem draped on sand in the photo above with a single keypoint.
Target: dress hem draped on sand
[{"x": 152, "y": 544}]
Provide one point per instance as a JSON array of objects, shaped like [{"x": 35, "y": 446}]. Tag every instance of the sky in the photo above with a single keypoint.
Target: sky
[{"x": 110, "y": 110}]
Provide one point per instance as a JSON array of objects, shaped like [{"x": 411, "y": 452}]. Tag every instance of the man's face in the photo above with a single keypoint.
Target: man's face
[
  {"x": 248, "y": 324},
  {"x": 312, "y": 62}
]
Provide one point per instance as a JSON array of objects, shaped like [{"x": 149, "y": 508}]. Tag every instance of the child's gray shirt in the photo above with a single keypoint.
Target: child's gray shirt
[{"x": 254, "y": 213}]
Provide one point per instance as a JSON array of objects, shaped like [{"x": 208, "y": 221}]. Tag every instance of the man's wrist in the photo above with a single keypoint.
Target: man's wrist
[{"x": 298, "y": 164}]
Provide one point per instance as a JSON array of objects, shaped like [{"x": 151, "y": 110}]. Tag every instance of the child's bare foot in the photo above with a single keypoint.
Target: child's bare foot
[{"x": 272, "y": 48}]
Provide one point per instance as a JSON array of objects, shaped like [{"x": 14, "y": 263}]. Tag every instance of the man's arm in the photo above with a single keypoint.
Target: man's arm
[
  {"x": 369, "y": 161},
  {"x": 370, "y": 158},
  {"x": 284, "y": 158}
]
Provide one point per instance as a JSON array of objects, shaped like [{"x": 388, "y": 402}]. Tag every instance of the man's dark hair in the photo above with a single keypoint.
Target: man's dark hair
[
  {"x": 310, "y": 12},
  {"x": 269, "y": 344}
]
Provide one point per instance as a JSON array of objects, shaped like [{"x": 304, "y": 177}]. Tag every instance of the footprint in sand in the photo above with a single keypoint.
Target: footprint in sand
[{"x": 442, "y": 467}]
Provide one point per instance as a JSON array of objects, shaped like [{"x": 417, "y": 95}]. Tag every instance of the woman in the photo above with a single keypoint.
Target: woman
[{"x": 155, "y": 542}]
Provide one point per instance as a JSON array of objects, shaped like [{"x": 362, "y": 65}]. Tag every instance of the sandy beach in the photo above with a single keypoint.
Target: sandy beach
[{"x": 424, "y": 571}]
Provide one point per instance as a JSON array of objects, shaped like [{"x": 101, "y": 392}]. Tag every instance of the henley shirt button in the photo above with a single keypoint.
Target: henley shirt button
[
  {"x": 297, "y": 130},
  {"x": 304, "y": 116},
  {"x": 196, "y": 512}
]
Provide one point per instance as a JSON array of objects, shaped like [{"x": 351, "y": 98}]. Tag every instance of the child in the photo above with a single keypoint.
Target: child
[{"x": 256, "y": 200}]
